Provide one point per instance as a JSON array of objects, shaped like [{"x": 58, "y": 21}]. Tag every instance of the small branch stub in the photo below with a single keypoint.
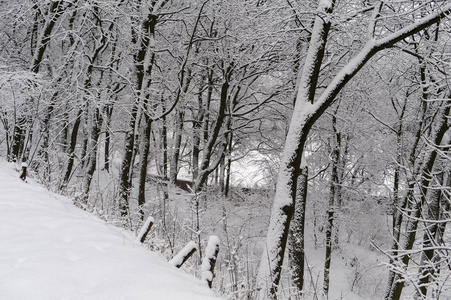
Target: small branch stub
[{"x": 145, "y": 230}]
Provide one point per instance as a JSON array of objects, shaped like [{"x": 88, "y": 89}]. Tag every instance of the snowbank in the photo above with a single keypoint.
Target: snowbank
[{"x": 50, "y": 249}]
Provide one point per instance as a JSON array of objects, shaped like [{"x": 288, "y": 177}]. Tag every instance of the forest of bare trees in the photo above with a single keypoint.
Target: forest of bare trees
[{"x": 335, "y": 113}]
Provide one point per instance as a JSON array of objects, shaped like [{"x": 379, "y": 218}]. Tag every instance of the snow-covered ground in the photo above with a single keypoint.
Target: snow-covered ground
[{"x": 50, "y": 249}]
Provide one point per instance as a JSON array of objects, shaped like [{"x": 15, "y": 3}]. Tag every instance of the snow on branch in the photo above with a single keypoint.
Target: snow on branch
[
  {"x": 184, "y": 254},
  {"x": 415, "y": 27},
  {"x": 209, "y": 261}
]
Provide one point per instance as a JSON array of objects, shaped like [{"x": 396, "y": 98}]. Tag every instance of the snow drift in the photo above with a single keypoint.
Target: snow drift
[{"x": 50, "y": 249}]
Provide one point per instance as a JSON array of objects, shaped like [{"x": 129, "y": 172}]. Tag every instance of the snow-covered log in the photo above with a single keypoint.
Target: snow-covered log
[
  {"x": 145, "y": 230},
  {"x": 209, "y": 261},
  {"x": 184, "y": 254}
]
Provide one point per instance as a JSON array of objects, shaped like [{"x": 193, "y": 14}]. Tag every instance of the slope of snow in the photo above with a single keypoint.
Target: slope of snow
[{"x": 50, "y": 249}]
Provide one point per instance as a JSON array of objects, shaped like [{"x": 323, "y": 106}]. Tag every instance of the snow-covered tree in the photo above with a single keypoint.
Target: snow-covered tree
[{"x": 311, "y": 103}]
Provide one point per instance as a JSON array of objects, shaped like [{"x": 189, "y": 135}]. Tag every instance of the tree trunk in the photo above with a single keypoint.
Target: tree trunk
[
  {"x": 126, "y": 166},
  {"x": 342, "y": 160},
  {"x": 92, "y": 161},
  {"x": 206, "y": 167},
  {"x": 45, "y": 129},
  {"x": 108, "y": 110},
  {"x": 331, "y": 209},
  {"x": 179, "y": 116},
  {"x": 38, "y": 48},
  {"x": 83, "y": 110},
  {"x": 56, "y": 10},
  {"x": 416, "y": 211},
  {"x": 296, "y": 250},
  {"x": 145, "y": 148},
  {"x": 197, "y": 125},
  {"x": 64, "y": 131},
  {"x": 220, "y": 175},
  {"x": 206, "y": 123},
  {"x": 430, "y": 237},
  {"x": 72, "y": 144},
  {"x": 84, "y": 141},
  {"x": 19, "y": 133},
  {"x": 4, "y": 120},
  {"x": 143, "y": 63},
  {"x": 400, "y": 207},
  {"x": 164, "y": 146},
  {"x": 301, "y": 122},
  {"x": 179, "y": 120},
  {"x": 228, "y": 164}
]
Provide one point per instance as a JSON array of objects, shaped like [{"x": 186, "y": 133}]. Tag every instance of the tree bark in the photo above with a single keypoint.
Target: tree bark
[
  {"x": 108, "y": 110},
  {"x": 145, "y": 148},
  {"x": 297, "y": 238},
  {"x": 331, "y": 209},
  {"x": 92, "y": 155},
  {"x": 179, "y": 116},
  {"x": 72, "y": 144}
]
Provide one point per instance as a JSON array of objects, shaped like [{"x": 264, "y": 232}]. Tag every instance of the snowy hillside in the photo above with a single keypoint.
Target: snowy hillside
[{"x": 50, "y": 249}]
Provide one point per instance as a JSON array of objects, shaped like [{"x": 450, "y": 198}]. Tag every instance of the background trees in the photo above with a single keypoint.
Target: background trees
[{"x": 307, "y": 110}]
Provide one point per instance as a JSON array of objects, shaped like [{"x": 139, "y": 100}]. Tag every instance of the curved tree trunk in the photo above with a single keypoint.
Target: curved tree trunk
[{"x": 71, "y": 150}]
